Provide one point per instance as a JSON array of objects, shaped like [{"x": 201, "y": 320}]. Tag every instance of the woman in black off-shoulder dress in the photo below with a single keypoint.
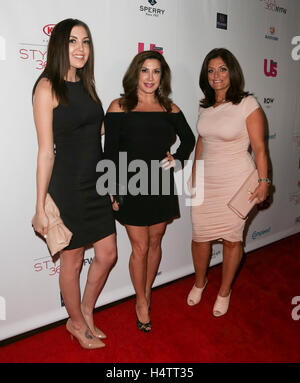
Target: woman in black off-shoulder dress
[
  {"x": 140, "y": 129},
  {"x": 68, "y": 117}
]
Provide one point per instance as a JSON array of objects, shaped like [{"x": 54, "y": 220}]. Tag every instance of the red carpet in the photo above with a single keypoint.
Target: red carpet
[{"x": 257, "y": 328}]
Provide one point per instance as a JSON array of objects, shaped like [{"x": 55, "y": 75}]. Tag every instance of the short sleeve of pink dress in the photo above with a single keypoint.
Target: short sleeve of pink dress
[{"x": 227, "y": 163}]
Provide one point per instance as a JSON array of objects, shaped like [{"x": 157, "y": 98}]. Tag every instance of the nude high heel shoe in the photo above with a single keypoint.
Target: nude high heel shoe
[
  {"x": 98, "y": 333},
  {"x": 94, "y": 330},
  {"x": 221, "y": 305},
  {"x": 195, "y": 294},
  {"x": 85, "y": 340}
]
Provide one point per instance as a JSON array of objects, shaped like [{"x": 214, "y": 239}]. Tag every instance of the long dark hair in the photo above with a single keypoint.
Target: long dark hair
[
  {"x": 236, "y": 92},
  {"x": 129, "y": 99},
  {"x": 58, "y": 62}
]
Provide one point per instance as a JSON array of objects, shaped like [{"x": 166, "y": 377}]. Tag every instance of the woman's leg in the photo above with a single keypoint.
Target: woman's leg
[
  {"x": 156, "y": 233},
  {"x": 70, "y": 267},
  {"x": 139, "y": 239},
  {"x": 201, "y": 252},
  {"x": 104, "y": 259},
  {"x": 232, "y": 256}
]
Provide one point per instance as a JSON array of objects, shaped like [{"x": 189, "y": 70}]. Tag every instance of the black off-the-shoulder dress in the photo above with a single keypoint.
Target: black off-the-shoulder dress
[{"x": 147, "y": 137}]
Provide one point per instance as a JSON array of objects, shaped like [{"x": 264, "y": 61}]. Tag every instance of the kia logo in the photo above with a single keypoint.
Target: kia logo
[{"x": 48, "y": 29}]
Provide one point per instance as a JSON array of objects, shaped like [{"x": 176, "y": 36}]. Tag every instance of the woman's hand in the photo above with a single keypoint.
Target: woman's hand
[
  {"x": 261, "y": 192},
  {"x": 114, "y": 203},
  {"x": 168, "y": 162},
  {"x": 40, "y": 223}
]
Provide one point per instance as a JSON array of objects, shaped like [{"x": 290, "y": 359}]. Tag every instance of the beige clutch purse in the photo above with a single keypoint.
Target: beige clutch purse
[
  {"x": 59, "y": 235},
  {"x": 239, "y": 202}
]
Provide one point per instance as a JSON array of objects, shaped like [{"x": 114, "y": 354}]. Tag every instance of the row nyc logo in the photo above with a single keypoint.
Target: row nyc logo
[
  {"x": 270, "y": 68},
  {"x": 268, "y": 101}
]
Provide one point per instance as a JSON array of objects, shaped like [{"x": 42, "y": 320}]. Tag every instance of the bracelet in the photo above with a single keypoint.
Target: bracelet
[{"x": 267, "y": 180}]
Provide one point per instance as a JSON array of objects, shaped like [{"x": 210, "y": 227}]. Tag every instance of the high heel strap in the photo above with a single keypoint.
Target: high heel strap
[{"x": 145, "y": 327}]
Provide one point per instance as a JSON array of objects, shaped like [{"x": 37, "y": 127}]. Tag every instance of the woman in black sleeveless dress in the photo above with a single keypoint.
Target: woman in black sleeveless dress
[
  {"x": 142, "y": 125},
  {"x": 68, "y": 117}
]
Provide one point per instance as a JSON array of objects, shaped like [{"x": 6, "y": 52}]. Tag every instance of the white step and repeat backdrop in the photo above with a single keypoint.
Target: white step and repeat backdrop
[{"x": 265, "y": 37}]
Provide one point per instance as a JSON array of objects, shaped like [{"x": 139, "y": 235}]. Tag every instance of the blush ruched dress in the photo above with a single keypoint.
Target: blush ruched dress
[{"x": 227, "y": 163}]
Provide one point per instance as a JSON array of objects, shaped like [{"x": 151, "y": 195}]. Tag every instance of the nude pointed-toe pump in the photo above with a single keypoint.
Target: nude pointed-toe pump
[{"x": 86, "y": 339}]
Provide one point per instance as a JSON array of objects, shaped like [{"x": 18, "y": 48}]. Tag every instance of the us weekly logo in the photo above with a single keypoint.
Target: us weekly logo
[
  {"x": 159, "y": 176},
  {"x": 270, "y": 68}
]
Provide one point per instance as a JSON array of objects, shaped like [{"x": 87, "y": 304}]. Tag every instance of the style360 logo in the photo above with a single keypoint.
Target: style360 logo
[{"x": 37, "y": 53}]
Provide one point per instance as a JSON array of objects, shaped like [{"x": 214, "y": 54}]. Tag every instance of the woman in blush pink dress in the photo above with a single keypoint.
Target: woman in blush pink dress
[{"x": 229, "y": 120}]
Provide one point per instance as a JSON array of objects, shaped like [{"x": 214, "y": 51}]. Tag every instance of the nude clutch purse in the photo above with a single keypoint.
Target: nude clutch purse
[
  {"x": 239, "y": 202},
  {"x": 58, "y": 236}
]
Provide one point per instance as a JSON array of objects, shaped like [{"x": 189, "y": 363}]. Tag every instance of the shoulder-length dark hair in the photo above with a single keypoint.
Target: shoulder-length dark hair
[
  {"x": 236, "y": 92},
  {"x": 58, "y": 62},
  {"x": 129, "y": 99}
]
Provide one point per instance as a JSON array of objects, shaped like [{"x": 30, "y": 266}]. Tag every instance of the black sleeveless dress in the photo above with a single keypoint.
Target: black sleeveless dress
[
  {"x": 77, "y": 147},
  {"x": 144, "y": 139}
]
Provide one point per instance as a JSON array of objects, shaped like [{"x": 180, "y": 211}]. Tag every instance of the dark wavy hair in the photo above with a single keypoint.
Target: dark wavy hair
[
  {"x": 58, "y": 62},
  {"x": 236, "y": 92},
  {"x": 129, "y": 98}
]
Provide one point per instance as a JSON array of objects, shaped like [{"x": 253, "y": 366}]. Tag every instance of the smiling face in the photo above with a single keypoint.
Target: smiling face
[
  {"x": 218, "y": 75},
  {"x": 150, "y": 76},
  {"x": 79, "y": 48}
]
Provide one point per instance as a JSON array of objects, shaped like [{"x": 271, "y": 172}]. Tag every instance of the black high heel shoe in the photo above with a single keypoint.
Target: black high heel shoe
[
  {"x": 145, "y": 327},
  {"x": 149, "y": 303}
]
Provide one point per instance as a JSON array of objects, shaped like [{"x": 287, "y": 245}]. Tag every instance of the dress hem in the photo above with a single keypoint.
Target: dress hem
[
  {"x": 86, "y": 244},
  {"x": 155, "y": 222}
]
